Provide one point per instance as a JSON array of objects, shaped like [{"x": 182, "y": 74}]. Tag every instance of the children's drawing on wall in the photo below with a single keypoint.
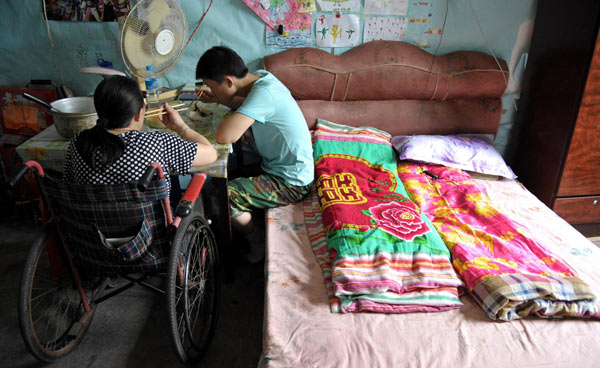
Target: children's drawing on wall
[
  {"x": 384, "y": 28},
  {"x": 307, "y": 6},
  {"x": 82, "y": 53},
  {"x": 337, "y": 30},
  {"x": 339, "y": 5},
  {"x": 87, "y": 10},
  {"x": 286, "y": 26},
  {"x": 296, "y": 34},
  {"x": 386, "y": 7}
]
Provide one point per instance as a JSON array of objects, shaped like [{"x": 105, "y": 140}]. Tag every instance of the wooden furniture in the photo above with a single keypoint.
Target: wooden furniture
[{"x": 558, "y": 158}]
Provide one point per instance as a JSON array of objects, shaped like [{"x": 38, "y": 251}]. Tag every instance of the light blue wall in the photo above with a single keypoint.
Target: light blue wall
[{"x": 26, "y": 54}]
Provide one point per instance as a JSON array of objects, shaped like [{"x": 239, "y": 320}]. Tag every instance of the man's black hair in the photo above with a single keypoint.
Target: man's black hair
[{"x": 218, "y": 62}]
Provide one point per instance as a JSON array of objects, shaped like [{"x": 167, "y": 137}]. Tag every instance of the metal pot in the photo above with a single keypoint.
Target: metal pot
[{"x": 73, "y": 114}]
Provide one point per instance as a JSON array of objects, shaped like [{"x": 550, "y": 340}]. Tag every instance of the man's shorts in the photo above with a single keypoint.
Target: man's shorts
[{"x": 261, "y": 192}]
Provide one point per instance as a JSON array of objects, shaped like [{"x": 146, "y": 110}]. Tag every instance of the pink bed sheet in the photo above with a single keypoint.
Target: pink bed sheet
[{"x": 300, "y": 330}]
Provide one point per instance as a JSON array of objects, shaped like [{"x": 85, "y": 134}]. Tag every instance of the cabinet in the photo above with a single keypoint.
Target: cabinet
[{"x": 559, "y": 148}]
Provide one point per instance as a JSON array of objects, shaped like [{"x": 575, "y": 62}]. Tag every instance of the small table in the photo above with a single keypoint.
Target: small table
[{"x": 48, "y": 148}]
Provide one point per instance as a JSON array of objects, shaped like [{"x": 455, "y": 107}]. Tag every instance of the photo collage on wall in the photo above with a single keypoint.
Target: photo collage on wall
[
  {"x": 334, "y": 23},
  {"x": 87, "y": 10}
]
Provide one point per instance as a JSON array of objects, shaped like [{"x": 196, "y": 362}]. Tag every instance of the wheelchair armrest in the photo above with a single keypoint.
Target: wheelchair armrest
[{"x": 186, "y": 205}]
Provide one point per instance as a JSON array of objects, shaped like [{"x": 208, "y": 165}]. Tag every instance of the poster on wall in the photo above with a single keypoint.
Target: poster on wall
[
  {"x": 384, "y": 28},
  {"x": 337, "y": 30},
  {"x": 339, "y": 5},
  {"x": 307, "y": 6},
  {"x": 285, "y": 26},
  {"x": 87, "y": 10},
  {"x": 300, "y": 37},
  {"x": 277, "y": 13},
  {"x": 386, "y": 7}
]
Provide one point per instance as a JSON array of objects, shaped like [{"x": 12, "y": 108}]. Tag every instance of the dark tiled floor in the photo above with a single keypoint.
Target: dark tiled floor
[{"x": 129, "y": 330}]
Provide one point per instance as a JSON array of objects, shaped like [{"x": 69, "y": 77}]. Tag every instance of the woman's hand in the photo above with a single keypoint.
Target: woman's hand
[
  {"x": 205, "y": 94},
  {"x": 172, "y": 119}
]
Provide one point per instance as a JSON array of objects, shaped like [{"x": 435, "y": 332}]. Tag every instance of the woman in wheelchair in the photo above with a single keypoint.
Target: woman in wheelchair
[
  {"x": 116, "y": 151},
  {"x": 107, "y": 218}
]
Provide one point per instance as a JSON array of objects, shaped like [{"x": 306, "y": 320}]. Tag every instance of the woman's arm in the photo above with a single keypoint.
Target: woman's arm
[{"x": 206, "y": 153}]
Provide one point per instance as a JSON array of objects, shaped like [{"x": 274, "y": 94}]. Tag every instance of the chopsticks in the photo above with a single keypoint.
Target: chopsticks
[
  {"x": 196, "y": 99},
  {"x": 161, "y": 111}
]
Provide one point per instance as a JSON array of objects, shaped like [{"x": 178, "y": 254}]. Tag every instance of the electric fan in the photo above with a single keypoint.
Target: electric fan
[{"x": 153, "y": 33}]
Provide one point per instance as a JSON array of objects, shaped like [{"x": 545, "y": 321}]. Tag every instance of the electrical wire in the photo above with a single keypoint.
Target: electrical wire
[
  {"x": 198, "y": 25},
  {"x": 431, "y": 67},
  {"x": 487, "y": 43},
  {"x": 51, "y": 42},
  {"x": 441, "y": 38}
]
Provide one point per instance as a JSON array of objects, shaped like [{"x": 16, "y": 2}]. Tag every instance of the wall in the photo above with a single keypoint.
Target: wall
[{"x": 26, "y": 52}]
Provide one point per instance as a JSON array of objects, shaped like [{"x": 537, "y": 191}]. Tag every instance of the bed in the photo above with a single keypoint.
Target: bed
[{"x": 403, "y": 90}]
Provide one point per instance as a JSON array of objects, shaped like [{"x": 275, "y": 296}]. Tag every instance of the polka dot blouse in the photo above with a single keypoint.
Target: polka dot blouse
[{"x": 173, "y": 153}]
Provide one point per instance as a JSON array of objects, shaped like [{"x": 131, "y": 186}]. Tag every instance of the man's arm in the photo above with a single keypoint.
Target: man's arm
[{"x": 233, "y": 127}]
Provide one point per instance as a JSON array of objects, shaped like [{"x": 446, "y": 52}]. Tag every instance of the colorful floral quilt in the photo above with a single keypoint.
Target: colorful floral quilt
[
  {"x": 507, "y": 272},
  {"x": 378, "y": 251}
]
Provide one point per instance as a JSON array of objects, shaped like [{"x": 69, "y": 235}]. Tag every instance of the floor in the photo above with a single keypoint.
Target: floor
[{"x": 115, "y": 338}]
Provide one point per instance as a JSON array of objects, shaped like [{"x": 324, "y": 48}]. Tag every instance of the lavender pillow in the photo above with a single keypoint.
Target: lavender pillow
[{"x": 471, "y": 152}]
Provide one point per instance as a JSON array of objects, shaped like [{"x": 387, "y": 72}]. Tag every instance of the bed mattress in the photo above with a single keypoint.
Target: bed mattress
[{"x": 301, "y": 331}]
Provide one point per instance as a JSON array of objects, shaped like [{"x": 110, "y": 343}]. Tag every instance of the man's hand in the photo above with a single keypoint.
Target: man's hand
[{"x": 205, "y": 94}]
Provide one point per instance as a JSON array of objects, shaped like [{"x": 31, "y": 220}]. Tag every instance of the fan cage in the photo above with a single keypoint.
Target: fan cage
[{"x": 138, "y": 21}]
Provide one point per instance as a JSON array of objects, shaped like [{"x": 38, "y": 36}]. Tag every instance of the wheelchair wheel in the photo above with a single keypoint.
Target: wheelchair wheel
[
  {"x": 51, "y": 313},
  {"x": 193, "y": 288}
]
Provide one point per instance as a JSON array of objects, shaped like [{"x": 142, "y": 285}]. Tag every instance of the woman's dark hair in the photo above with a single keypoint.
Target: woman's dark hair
[
  {"x": 117, "y": 99},
  {"x": 218, "y": 62}
]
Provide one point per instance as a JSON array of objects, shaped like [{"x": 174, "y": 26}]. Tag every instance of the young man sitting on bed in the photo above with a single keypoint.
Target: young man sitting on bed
[{"x": 264, "y": 107}]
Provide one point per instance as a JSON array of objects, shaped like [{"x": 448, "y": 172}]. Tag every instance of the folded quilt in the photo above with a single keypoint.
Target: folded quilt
[
  {"x": 377, "y": 250},
  {"x": 508, "y": 273}
]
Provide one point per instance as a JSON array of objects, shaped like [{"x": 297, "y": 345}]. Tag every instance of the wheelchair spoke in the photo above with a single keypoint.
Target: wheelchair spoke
[
  {"x": 44, "y": 293},
  {"x": 57, "y": 321},
  {"x": 194, "y": 301},
  {"x": 51, "y": 313}
]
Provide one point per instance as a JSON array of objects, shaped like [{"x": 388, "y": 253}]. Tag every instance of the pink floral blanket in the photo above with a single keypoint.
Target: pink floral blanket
[{"x": 509, "y": 274}]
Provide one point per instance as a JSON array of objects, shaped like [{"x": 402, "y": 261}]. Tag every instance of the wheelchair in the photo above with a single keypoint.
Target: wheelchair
[{"x": 93, "y": 234}]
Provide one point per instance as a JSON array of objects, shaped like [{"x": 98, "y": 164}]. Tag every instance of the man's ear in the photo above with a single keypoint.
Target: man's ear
[{"x": 230, "y": 81}]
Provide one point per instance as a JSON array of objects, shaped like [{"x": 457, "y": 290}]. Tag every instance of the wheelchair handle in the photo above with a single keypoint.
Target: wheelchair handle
[
  {"x": 18, "y": 175},
  {"x": 146, "y": 178},
  {"x": 144, "y": 182}
]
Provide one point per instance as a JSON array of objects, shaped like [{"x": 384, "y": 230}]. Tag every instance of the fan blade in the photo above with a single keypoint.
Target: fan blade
[
  {"x": 140, "y": 52},
  {"x": 138, "y": 56},
  {"x": 139, "y": 26},
  {"x": 158, "y": 11}
]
